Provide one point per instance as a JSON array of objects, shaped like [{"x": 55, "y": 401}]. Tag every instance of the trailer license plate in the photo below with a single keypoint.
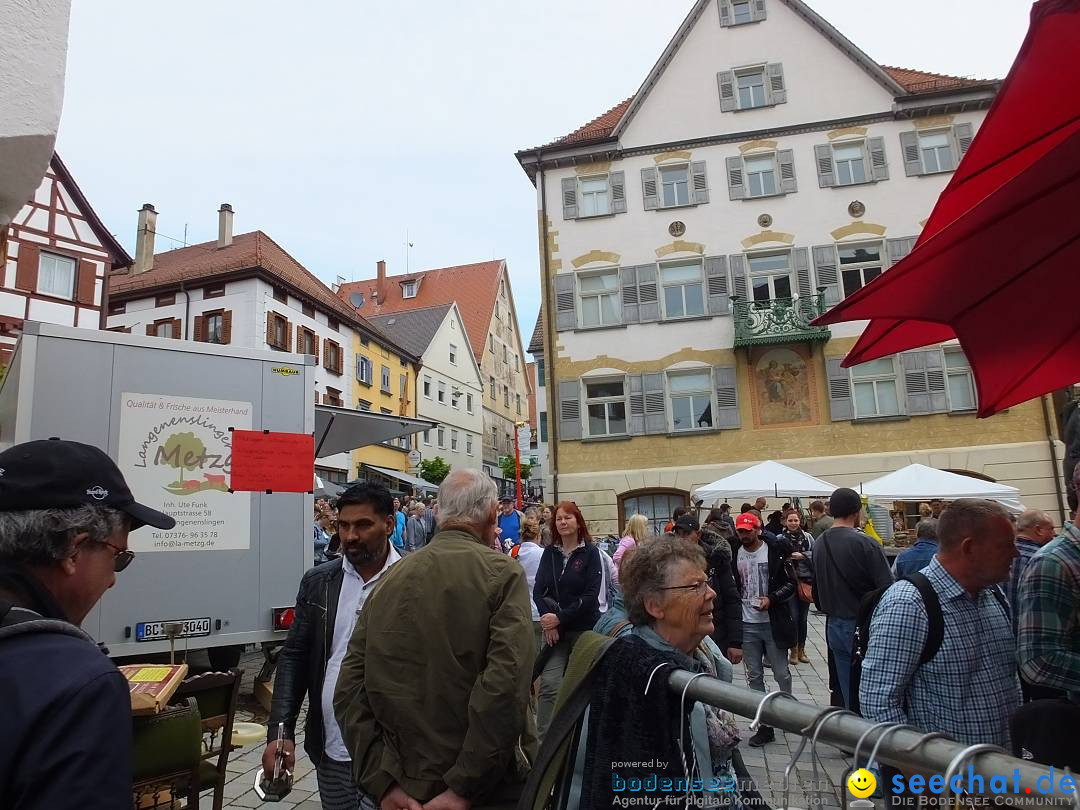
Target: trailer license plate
[{"x": 155, "y": 631}]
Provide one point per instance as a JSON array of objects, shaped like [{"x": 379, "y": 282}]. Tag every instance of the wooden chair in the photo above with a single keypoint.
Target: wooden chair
[
  {"x": 217, "y": 695},
  {"x": 166, "y": 755}
]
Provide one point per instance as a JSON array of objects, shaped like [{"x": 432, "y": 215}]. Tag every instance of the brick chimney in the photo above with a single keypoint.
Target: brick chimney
[
  {"x": 380, "y": 282},
  {"x": 144, "y": 239},
  {"x": 224, "y": 225}
]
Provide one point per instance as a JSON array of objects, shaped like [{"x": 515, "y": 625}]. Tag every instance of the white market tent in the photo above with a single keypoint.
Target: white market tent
[
  {"x": 917, "y": 482},
  {"x": 769, "y": 478}
]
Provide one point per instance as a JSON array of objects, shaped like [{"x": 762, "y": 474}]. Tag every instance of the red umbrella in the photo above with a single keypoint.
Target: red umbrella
[{"x": 998, "y": 263}]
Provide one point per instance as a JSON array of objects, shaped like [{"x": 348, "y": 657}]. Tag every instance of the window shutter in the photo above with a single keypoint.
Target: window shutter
[
  {"x": 964, "y": 133},
  {"x": 635, "y": 386},
  {"x": 628, "y": 282},
  {"x": 909, "y": 145},
  {"x": 176, "y": 326},
  {"x": 26, "y": 270},
  {"x": 935, "y": 380},
  {"x": 299, "y": 339},
  {"x": 826, "y": 272},
  {"x": 841, "y": 407},
  {"x": 341, "y": 361},
  {"x": 269, "y": 328},
  {"x": 823, "y": 157},
  {"x": 896, "y": 249},
  {"x": 326, "y": 347},
  {"x": 726, "y": 80},
  {"x": 570, "y": 410},
  {"x": 727, "y": 398},
  {"x": 776, "y": 88},
  {"x": 226, "y": 327},
  {"x": 86, "y": 284},
  {"x": 565, "y": 305},
  {"x": 288, "y": 331},
  {"x": 879, "y": 164},
  {"x": 717, "y": 288},
  {"x": 737, "y": 263},
  {"x": 617, "y": 185},
  {"x": 655, "y": 404},
  {"x": 569, "y": 198},
  {"x": 648, "y": 293},
  {"x": 802, "y": 271},
  {"x": 785, "y": 159},
  {"x": 200, "y": 329},
  {"x": 700, "y": 182},
  {"x": 916, "y": 388},
  {"x": 736, "y": 184},
  {"x": 725, "y": 12},
  {"x": 650, "y": 190},
  {"x": 151, "y": 329},
  {"x": 758, "y": 12}
]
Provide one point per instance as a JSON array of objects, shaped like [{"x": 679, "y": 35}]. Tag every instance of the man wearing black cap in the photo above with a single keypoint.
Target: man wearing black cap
[
  {"x": 847, "y": 566},
  {"x": 65, "y": 515}
]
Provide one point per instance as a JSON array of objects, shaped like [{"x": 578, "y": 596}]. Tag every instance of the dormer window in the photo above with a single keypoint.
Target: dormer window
[
  {"x": 408, "y": 289},
  {"x": 741, "y": 12}
]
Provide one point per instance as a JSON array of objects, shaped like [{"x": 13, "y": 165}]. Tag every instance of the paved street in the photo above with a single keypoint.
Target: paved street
[{"x": 810, "y": 683}]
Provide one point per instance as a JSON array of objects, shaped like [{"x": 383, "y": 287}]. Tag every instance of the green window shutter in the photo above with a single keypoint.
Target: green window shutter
[
  {"x": 565, "y": 305},
  {"x": 777, "y": 90},
  {"x": 648, "y": 293},
  {"x": 637, "y": 404},
  {"x": 896, "y": 249},
  {"x": 617, "y": 187},
  {"x": 655, "y": 404},
  {"x": 570, "y": 410},
  {"x": 785, "y": 161},
  {"x": 826, "y": 172},
  {"x": 728, "y": 100},
  {"x": 569, "y": 198},
  {"x": 727, "y": 398},
  {"x": 825, "y": 268},
  {"x": 628, "y": 281},
  {"x": 699, "y": 183},
  {"x": 716, "y": 285},
  {"x": 801, "y": 258},
  {"x": 737, "y": 263},
  {"x": 650, "y": 188},
  {"x": 879, "y": 164},
  {"x": 965, "y": 134},
  {"x": 841, "y": 406},
  {"x": 736, "y": 181},
  {"x": 909, "y": 145}
]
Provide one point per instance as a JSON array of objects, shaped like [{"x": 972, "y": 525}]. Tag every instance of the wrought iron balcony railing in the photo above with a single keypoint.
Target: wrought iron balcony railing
[{"x": 778, "y": 320}]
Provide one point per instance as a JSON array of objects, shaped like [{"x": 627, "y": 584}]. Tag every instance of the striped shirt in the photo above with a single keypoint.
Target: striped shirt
[
  {"x": 969, "y": 689},
  {"x": 1049, "y": 626}
]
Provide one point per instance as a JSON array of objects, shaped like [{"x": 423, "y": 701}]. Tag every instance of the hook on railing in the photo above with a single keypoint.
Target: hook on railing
[
  {"x": 959, "y": 760},
  {"x": 755, "y": 724}
]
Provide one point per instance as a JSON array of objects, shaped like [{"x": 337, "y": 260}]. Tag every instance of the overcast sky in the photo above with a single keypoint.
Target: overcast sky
[{"x": 336, "y": 127}]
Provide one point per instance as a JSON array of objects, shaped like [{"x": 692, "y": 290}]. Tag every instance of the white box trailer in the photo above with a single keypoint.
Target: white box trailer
[{"x": 162, "y": 409}]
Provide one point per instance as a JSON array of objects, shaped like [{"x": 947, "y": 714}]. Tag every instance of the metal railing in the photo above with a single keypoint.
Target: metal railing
[
  {"x": 900, "y": 746},
  {"x": 778, "y": 320}
]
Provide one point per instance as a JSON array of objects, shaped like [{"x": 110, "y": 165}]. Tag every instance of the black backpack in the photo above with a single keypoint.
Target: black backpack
[{"x": 866, "y": 613}]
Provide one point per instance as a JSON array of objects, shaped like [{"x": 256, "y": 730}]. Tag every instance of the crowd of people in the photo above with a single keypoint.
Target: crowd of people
[{"x": 441, "y": 641}]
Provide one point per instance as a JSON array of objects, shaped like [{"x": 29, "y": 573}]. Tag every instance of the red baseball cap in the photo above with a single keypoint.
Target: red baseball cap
[{"x": 747, "y": 521}]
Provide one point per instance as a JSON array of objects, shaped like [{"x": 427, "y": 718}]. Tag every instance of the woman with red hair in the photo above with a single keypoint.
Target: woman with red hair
[{"x": 567, "y": 594}]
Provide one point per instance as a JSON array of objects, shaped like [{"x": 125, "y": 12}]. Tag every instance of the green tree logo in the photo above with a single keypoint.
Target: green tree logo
[{"x": 184, "y": 451}]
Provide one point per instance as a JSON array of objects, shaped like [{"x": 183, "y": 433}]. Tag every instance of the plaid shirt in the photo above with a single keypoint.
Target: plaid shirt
[
  {"x": 1049, "y": 627},
  {"x": 1026, "y": 549},
  {"x": 968, "y": 690}
]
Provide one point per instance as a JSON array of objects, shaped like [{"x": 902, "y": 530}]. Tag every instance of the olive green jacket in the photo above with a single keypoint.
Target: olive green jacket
[{"x": 434, "y": 688}]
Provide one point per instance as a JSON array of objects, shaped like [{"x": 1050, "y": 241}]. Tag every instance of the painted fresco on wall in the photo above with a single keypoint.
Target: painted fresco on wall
[{"x": 782, "y": 381}]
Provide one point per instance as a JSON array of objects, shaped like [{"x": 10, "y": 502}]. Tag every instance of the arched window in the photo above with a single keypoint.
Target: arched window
[{"x": 656, "y": 504}]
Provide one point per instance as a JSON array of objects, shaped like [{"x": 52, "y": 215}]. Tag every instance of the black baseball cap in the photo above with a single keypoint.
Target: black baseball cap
[
  {"x": 687, "y": 523},
  {"x": 844, "y": 502},
  {"x": 58, "y": 474}
]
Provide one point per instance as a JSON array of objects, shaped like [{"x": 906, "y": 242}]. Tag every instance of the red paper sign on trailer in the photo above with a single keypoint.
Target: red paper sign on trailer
[{"x": 263, "y": 461}]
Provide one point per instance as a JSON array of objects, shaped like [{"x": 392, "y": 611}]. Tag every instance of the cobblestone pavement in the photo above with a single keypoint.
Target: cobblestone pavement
[{"x": 810, "y": 683}]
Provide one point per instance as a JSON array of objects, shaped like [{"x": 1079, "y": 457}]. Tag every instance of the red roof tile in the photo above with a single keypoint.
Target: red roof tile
[
  {"x": 473, "y": 286},
  {"x": 599, "y": 129},
  {"x": 248, "y": 251},
  {"x": 920, "y": 81}
]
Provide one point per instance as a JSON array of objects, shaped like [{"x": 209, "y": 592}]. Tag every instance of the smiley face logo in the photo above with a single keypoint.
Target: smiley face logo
[{"x": 862, "y": 783}]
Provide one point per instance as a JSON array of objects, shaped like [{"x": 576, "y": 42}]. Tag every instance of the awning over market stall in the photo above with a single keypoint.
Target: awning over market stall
[
  {"x": 917, "y": 482},
  {"x": 341, "y": 430},
  {"x": 405, "y": 478},
  {"x": 769, "y": 479}
]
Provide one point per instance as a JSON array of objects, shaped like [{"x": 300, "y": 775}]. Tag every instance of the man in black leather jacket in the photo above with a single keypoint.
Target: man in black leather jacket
[{"x": 330, "y": 599}]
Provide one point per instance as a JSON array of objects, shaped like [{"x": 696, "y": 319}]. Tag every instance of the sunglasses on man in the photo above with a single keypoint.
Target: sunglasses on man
[{"x": 122, "y": 557}]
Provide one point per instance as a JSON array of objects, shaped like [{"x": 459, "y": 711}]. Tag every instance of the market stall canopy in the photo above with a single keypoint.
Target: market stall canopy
[
  {"x": 917, "y": 482},
  {"x": 324, "y": 489},
  {"x": 1003, "y": 238},
  {"x": 340, "y": 430},
  {"x": 405, "y": 478},
  {"x": 769, "y": 479}
]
